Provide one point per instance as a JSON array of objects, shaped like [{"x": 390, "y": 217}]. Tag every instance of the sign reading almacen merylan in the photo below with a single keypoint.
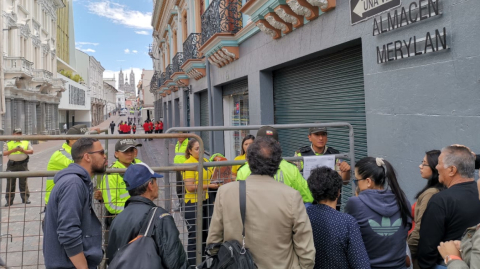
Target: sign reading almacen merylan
[{"x": 433, "y": 41}]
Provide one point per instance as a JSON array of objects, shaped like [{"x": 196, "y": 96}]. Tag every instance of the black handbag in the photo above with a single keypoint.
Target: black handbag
[
  {"x": 231, "y": 254},
  {"x": 141, "y": 252}
]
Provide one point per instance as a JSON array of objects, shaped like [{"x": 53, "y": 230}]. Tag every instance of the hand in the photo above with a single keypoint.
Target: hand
[
  {"x": 98, "y": 195},
  {"x": 344, "y": 167},
  {"x": 448, "y": 248},
  {"x": 213, "y": 186}
]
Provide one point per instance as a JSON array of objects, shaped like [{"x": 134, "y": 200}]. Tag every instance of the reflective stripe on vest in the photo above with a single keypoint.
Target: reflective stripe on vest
[
  {"x": 66, "y": 154},
  {"x": 12, "y": 144}
]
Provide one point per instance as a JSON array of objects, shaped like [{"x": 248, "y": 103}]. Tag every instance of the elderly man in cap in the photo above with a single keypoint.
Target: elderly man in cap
[
  {"x": 17, "y": 152},
  {"x": 287, "y": 172},
  {"x": 113, "y": 190},
  {"x": 318, "y": 138},
  {"x": 141, "y": 183},
  {"x": 62, "y": 158}
]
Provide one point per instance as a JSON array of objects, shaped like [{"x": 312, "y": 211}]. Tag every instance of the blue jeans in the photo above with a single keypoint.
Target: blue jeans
[{"x": 440, "y": 267}]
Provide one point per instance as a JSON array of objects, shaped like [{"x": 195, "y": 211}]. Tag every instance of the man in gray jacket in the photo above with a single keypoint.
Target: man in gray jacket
[{"x": 72, "y": 232}]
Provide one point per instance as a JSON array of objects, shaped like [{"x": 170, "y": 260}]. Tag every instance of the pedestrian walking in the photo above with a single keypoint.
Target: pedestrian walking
[
  {"x": 277, "y": 231},
  {"x": 450, "y": 212},
  {"x": 382, "y": 211},
  {"x": 65, "y": 128},
  {"x": 72, "y": 232},
  {"x": 120, "y": 127},
  {"x": 142, "y": 186},
  {"x": 146, "y": 128},
  {"x": 157, "y": 127},
  {"x": 112, "y": 127},
  {"x": 17, "y": 152},
  {"x": 62, "y": 158},
  {"x": 134, "y": 128},
  {"x": 161, "y": 127}
]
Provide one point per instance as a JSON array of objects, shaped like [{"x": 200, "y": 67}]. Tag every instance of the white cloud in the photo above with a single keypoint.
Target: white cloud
[
  {"x": 126, "y": 71},
  {"x": 88, "y": 50},
  {"x": 134, "y": 51},
  {"x": 142, "y": 32},
  {"x": 86, "y": 43},
  {"x": 127, "y": 51},
  {"x": 120, "y": 14}
]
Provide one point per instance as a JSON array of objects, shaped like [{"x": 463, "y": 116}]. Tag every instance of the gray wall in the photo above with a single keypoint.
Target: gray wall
[{"x": 412, "y": 105}]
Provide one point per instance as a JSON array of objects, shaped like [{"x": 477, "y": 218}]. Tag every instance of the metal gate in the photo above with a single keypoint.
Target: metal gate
[
  {"x": 326, "y": 89},
  {"x": 204, "y": 118}
]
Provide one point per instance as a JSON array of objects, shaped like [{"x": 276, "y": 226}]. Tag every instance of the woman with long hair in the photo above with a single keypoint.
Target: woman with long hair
[
  {"x": 428, "y": 171},
  {"x": 382, "y": 211},
  {"x": 247, "y": 140},
  {"x": 190, "y": 179}
]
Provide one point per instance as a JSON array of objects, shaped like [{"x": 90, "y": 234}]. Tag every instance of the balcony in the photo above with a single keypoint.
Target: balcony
[
  {"x": 169, "y": 71},
  {"x": 178, "y": 60},
  {"x": 194, "y": 62},
  {"x": 191, "y": 46},
  {"x": 16, "y": 67},
  {"x": 162, "y": 79},
  {"x": 154, "y": 82},
  {"x": 221, "y": 16},
  {"x": 41, "y": 75},
  {"x": 150, "y": 51}
]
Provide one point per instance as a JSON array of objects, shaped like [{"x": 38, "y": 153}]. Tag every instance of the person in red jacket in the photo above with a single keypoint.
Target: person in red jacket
[
  {"x": 160, "y": 130},
  {"x": 146, "y": 128},
  {"x": 134, "y": 128},
  {"x": 150, "y": 127},
  {"x": 128, "y": 128},
  {"x": 157, "y": 127}
]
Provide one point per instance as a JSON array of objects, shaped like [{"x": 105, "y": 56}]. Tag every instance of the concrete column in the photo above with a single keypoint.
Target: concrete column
[
  {"x": 29, "y": 118},
  {"x": 19, "y": 114},
  {"x": 260, "y": 98},
  {"x": 35, "y": 122},
  {"x": 217, "y": 103},
  {"x": 8, "y": 116}
]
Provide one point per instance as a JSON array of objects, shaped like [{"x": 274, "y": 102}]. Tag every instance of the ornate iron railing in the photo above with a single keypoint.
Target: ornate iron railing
[
  {"x": 150, "y": 51},
  {"x": 169, "y": 71},
  {"x": 154, "y": 82},
  {"x": 162, "y": 79},
  {"x": 221, "y": 16},
  {"x": 191, "y": 46},
  {"x": 178, "y": 61}
]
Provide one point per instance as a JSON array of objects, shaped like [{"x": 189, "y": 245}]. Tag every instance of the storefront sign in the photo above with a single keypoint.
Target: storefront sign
[
  {"x": 431, "y": 42},
  {"x": 361, "y": 10}
]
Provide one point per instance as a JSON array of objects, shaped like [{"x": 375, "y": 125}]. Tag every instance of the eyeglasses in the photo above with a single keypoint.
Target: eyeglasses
[
  {"x": 102, "y": 152},
  {"x": 423, "y": 164},
  {"x": 356, "y": 180}
]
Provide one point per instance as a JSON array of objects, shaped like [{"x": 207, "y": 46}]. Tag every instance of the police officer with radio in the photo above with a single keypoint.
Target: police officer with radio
[{"x": 17, "y": 152}]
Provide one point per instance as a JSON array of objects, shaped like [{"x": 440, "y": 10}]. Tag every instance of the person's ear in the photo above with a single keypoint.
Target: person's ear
[
  {"x": 452, "y": 170},
  {"x": 370, "y": 182}
]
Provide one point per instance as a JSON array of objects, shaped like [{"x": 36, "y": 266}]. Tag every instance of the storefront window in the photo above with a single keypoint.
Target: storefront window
[{"x": 236, "y": 114}]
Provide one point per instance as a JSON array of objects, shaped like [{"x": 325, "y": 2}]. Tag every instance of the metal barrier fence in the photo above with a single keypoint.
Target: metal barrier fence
[
  {"x": 220, "y": 171},
  {"x": 20, "y": 224}
]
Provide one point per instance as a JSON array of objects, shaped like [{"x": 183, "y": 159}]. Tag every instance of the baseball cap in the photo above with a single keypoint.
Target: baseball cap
[
  {"x": 123, "y": 144},
  {"x": 138, "y": 174},
  {"x": 314, "y": 130},
  {"x": 78, "y": 129},
  {"x": 268, "y": 131},
  {"x": 17, "y": 131}
]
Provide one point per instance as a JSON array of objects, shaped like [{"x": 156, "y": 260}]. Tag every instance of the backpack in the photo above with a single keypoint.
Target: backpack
[
  {"x": 141, "y": 252},
  {"x": 231, "y": 254}
]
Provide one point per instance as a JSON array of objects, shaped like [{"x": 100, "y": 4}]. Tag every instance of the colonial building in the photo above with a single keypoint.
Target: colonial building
[
  {"x": 31, "y": 86},
  {"x": 397, "y": 72},
  {"x": 145, "y": 96},
  {"x": 110, "y": 97},
  {"x": 128, "y": 88}
]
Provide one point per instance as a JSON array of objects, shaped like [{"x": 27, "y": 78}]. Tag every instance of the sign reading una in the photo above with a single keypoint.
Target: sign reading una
[{"x": 361, "y": 10}]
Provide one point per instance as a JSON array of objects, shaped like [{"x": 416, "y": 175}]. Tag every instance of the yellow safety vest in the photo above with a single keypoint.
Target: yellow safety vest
[
  {"x": 180, "y": 151},
  {"x": 13, "y": 144},
  {"x": 60, "y": 160}
]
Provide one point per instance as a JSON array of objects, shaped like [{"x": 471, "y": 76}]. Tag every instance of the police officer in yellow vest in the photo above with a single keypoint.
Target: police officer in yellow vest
[
  {"x": 113, "y": 188},
  {"x": 180, "y": 149},
  {"x": 17, "y": 152},
  {"x": 62, "y": 158}
]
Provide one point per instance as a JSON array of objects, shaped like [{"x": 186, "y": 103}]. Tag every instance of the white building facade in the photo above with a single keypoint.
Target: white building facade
[
  {"x": 74, "y": 107},
  {"x": 110, "y": 97},
  {"x": 95, "y": 83},
  {"x": 31, "y": 87}
]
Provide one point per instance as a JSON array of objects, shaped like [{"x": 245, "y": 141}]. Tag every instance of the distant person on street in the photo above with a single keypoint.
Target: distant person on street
[
  {"x": 146, "y": 128},
  {"x": 72, "y": 232},
  {"x": 287, "y": 172},
  {"x": 112, "y": 127},
  {"x": 157, "y": 127},
  {"x": 142, "y": 186},
  {"x": 450, "y": 212},
  {"x": 120, "y": 127},
  {"x": 337, "y": 237},
  {"x": 160, "y": 129},
  {"x": 277, "y": 229},
  {"x": 134, "y": 128},
  {"x": 62, "y": 158},
  {"x": 17, "y": 152},
  {"x": 65, "y": 128}
]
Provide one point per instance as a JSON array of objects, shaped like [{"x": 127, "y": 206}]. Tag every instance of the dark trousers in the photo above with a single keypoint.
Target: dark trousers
[
  {"x": 160, "y": 131},
  {"x": 191, "y": 219},
  {"x": 112, "y": 130},
  {"x": 12, "y": 182}
]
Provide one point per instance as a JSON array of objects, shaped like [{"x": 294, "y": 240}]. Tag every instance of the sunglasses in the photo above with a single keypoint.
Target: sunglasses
[{"x": 102, "y": 152}]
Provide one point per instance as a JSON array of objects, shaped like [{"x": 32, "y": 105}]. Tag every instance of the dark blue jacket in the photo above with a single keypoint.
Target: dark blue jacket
[
  {"x": 379, "y": 218},
  {"x": 71, "y": 226}
]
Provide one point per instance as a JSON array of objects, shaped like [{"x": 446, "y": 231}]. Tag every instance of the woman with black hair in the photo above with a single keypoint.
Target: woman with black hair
[
  {"x": 382, "y": 211},
  {"x": 428, "y": 171},
  {"x": 247, "y": 140}
]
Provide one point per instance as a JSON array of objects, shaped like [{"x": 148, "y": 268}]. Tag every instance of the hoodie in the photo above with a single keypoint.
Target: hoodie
[
  {"x": 71, "y": 226},
  {"x": 383, "y": 233}
]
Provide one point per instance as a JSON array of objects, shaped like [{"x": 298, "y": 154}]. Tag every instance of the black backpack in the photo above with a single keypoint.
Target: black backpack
[
  {"x": 231, "y": 254},
  {"x": 141, "y": 252}
]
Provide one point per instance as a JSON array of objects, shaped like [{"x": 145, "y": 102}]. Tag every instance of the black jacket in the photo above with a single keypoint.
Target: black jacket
[
  {"x": 307, "y": 151},
  {"x": 127, "y": 225}
]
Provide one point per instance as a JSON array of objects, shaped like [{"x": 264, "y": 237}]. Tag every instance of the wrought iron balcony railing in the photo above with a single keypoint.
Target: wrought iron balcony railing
[
  {"x": 178, "y": 61},
  {"x": 154, "y": 82},
  {"x": 162, "y": 79},
  {"x": 150, "y": 51},
  {"x": 169, "y": 71},
  {"x": 221, "y": 16},
  {"x": 191, "y": 46}
]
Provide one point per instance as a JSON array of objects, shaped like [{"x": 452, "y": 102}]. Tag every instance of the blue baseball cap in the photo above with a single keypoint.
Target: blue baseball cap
[{"x": 138, "y": 174}]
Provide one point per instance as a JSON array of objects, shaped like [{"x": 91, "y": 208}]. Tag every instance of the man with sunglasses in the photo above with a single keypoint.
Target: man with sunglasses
[
  {"x": 72, "y": 232},
  {"x": 113, "y": 188}
]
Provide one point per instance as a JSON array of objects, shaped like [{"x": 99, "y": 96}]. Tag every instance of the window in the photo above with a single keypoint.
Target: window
[
  {"x": 174, "y": 42},
  {"x": 184, "y": 27},
  {"x": 77, "y": 96}
]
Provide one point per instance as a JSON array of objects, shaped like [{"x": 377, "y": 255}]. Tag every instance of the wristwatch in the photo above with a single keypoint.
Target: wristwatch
[{"x": 450, "y": 258}]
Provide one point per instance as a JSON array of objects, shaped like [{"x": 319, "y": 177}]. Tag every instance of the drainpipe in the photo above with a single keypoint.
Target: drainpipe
[{"x": 210, "y": 106}]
